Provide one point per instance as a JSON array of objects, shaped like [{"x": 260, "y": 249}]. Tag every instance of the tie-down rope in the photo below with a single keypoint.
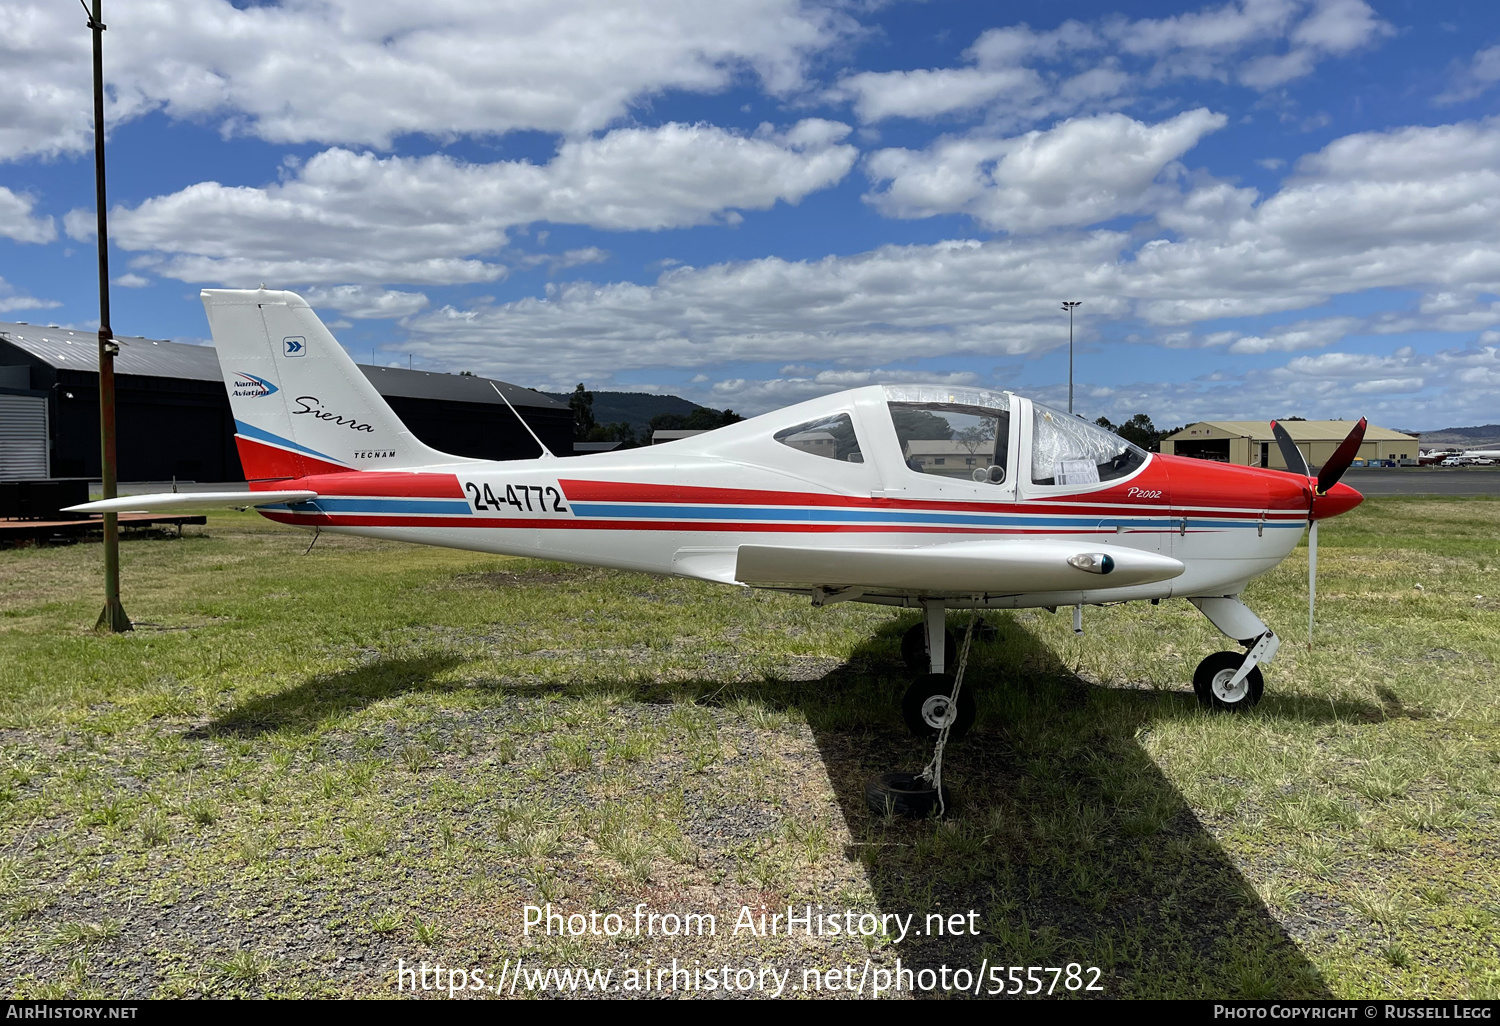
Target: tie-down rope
[{"x": 933, "y": 774}]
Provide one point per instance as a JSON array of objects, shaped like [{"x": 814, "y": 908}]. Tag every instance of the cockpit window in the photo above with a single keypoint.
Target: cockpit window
[
  {"x": 832, "y": 438},
  {"x": 1068, "y": 450},
  {"x": 958, "y": 433}
]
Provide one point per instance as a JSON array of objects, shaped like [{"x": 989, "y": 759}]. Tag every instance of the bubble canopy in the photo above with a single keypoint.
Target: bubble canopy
[
  {"x": 965, "y": 433},
  {"x": 943, "y": 394}
]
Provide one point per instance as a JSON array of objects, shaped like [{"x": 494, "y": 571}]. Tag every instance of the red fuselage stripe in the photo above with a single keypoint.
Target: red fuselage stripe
[{"x": 1099, "y": 503}]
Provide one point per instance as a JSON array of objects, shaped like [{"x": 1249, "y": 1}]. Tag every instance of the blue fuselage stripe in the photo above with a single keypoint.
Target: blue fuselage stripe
[
  {"x": 749, "y": 516},
  {"x": 643, "y": 511},
  {"x": 375, "y": 505}
]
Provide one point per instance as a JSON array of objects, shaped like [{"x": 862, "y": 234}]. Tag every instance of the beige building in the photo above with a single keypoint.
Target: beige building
[
  {"x": 1250, "y": 443},
  {"x": 819, "y": 443},
  {"x": 950, "y": 457}
]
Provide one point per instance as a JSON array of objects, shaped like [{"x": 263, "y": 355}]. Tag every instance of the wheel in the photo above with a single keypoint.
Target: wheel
[
  {"x": 1212, "y": 677},
  {"x": 914, "y": 649},
  {"x": 926, "y": 707},
  {"x": 903, "y": 794}
]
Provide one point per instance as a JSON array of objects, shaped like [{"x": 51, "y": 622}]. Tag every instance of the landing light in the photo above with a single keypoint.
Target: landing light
[{"x": 1093, "y": 562}]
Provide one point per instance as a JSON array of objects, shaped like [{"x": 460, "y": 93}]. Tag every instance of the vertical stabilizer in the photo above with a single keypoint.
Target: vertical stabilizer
[{"x": 300, "y": 404}]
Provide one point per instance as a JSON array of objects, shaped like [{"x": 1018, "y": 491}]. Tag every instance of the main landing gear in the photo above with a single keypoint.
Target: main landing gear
[
  {"x": 1232, "y": 681},
  {"x": 927, "y": 705},
  {"x": 936, "y": 706}
]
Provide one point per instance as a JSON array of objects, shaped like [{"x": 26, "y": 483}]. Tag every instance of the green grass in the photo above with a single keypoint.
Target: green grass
[{"x": 301, "y": 768}]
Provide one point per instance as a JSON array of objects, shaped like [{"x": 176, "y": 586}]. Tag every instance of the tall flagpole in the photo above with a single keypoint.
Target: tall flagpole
[{"x": 113, "y": 616}]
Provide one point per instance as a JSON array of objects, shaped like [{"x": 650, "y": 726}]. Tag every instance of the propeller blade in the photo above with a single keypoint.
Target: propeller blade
[
  {"x": 1312, "y": 577},
  {"x": 1341, "y": 458},
  {"x": 1290, "y": 454}
]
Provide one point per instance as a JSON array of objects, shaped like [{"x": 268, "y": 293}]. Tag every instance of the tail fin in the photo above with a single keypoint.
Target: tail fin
[{"x": 300, "y": 404}]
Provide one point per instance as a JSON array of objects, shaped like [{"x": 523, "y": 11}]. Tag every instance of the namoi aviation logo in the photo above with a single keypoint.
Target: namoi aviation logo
[{"x": 248, "y": 386}]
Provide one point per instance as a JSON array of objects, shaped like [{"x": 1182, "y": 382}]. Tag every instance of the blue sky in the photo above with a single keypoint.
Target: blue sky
[{"x": 1266, "y": 207}]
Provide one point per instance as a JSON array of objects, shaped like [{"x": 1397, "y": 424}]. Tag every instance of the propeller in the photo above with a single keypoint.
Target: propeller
[
  {"x": 1327, "y": 478},
  {"x": 1290, "y": 454}
]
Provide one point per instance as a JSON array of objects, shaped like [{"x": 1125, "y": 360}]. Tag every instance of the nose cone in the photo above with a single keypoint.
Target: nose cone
[{"x": 1340, "y": 499}]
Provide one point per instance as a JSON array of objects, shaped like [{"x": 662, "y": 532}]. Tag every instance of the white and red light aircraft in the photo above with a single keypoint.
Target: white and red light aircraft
[{"x": 904, "y": 495}]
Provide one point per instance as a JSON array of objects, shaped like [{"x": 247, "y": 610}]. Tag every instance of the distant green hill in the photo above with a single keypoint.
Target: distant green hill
[
  {"x": 1477, "y": 437},
  {"x": 633, "y": 408}
]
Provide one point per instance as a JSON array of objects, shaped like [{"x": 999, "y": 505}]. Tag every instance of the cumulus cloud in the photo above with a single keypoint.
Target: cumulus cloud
[
  {"x": 1409, "y": 207},
  {"x": 1018, "y": 74},
  {"x": 11, "y": 300},
  {"x": 1302, "y": 335},
  {"x": 1405, "y": 389},
  {"x": 17, "y": 221},
  {"x": 923, "y": 93},
  {"x": 893, "y": 304},
  {"x": 770, "y": 393},
  {"x": 366, "y": 71},
  {"x": 364, "y": 302},
  {"x": 1428, "y": 221},
  {"x": 1446, "y": 312},
  {"x": 358, "y": 217},
  {"x": 1473, "y": 79},
  {"x": 1083, "y": 171},
  {"x": 561, "y": 261}
]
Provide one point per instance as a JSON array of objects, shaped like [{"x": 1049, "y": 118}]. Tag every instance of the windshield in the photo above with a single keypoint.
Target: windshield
[
  {"x": 959, "y": 433},
  {"x": 1068, "y": 450}
]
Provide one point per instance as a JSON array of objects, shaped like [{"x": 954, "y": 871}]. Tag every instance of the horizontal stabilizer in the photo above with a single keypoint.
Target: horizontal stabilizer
[
  {"x": 1009, "y": 566},
  {"x": 182, "y": 501}
]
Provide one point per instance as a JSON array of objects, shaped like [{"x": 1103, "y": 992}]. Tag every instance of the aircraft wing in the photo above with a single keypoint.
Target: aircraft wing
[
  {"x": 182, "y": 501},
  {"x": 1004, "y": 565}
]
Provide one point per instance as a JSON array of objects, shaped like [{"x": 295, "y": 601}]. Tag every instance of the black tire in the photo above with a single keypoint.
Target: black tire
[
  {"x": 914, "y": 649},
  {"x": 904, "y": 794},
  {"x": 924, "y": 703},
  {"x": 1222, "y": 666}
]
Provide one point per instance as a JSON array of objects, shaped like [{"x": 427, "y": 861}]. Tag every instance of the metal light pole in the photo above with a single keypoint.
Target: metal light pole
[
  {"x": 113, "y": 616},
  {"x": 1068, "y": 307}
]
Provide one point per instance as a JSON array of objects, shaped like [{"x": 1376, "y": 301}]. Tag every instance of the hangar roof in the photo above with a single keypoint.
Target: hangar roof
[
  {"x": 457, "y": 388},
  {"x": 1300, "y": 430},
  {"x": 66, "y": 349}
]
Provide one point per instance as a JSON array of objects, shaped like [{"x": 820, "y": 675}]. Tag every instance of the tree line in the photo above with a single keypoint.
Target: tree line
[
  {"x": 1140, "y": 431},
  {"x": 587, "y": 429}
]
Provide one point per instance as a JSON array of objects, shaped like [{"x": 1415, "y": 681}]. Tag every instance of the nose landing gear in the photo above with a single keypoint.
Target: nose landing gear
[
  {"x": 1232, "y": 681},
  {"x": 1215, "y": 685}
]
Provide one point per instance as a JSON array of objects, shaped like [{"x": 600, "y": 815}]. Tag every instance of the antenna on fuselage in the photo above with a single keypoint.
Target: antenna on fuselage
[{"x": 546, "y": 452}]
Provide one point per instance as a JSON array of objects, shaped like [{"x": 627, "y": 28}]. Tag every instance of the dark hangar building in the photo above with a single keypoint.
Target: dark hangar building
[{"x": 173, "y": 416}]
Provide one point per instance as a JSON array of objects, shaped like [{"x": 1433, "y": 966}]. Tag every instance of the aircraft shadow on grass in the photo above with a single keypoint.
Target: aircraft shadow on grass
[
  {"x": 310, "y": 704},
  {"x": 1067, "y": 839}
]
